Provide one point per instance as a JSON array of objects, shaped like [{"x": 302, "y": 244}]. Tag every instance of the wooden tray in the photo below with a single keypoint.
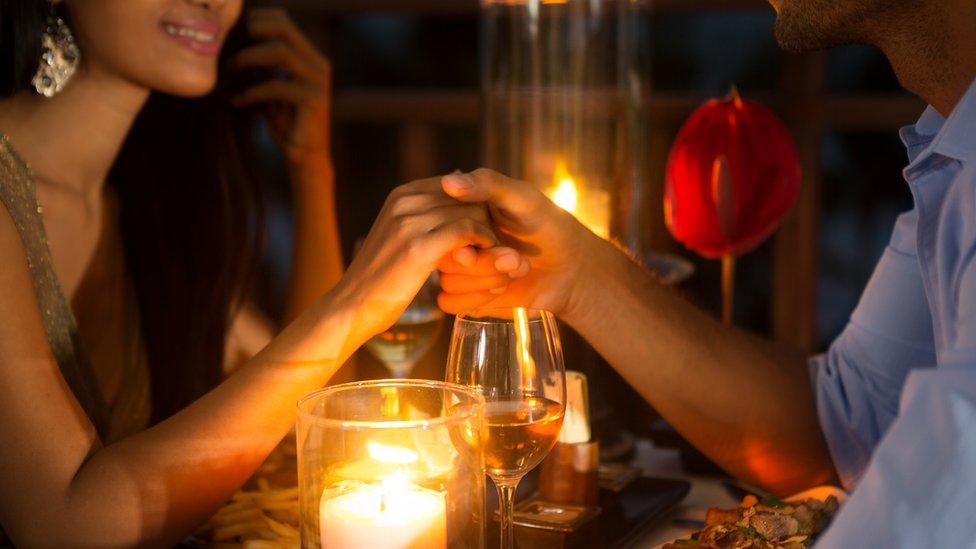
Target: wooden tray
[{"x": 624, "y": 517}]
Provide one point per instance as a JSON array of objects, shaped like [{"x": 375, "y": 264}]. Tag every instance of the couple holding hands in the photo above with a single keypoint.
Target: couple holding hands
[{"x": 139, "y": 394}]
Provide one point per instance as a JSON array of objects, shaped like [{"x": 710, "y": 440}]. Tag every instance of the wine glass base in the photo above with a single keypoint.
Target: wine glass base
[{"x": 400, "y": 371}]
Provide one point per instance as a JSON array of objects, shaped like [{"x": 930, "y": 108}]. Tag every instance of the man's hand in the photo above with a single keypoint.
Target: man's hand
[
  {"x": 555, "y": 250},
  {"x": 745, "y": 402}
]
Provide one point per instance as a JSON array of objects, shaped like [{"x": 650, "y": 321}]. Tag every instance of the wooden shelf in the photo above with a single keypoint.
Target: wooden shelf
[{"x": 841, "y": 112}]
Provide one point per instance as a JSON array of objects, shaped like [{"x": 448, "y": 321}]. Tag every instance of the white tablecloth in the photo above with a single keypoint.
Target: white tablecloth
[{"x": 705, "y": 492}]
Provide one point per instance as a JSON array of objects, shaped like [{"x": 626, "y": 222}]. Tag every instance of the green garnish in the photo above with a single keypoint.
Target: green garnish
[
  {"x": 750, "y": 531},
  {"x": 772, "y": 501}
]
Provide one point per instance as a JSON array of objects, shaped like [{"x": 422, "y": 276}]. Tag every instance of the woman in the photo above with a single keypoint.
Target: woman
[{"x": 133, "y": 205}]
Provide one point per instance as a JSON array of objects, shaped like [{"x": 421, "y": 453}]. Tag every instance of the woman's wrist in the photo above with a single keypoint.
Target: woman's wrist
[
  {"x": 324, "y": 333},
  {"x": 345, "y": 303},
  {"x": 312, "y": 171}
]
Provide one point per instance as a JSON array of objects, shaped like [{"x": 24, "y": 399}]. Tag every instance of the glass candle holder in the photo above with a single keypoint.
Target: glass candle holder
[
  {"x": 392, "y": 463},
  {"x": 555, "y": 99}
]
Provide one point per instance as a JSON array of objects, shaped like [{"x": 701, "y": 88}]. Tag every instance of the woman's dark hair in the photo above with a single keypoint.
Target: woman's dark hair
[
  {"x": 22, "y": 23},
  {"x": 190, "y": 214}
]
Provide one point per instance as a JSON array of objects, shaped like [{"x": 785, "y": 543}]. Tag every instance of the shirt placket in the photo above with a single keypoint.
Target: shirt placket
[{"x": 928, "y": 181}]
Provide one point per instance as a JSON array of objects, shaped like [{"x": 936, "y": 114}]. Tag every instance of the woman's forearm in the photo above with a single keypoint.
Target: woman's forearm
[
  {"x": 156, "y": 486},
  {"x": 60, "y": 488},
  {"x": 317, "y": 256}
]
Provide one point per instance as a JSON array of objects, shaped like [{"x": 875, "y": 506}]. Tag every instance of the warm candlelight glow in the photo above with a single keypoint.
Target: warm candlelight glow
[
  {"x": 591, "y": 206},
  {"x": 390, "y": 454},
  {"x": 391, "y": 464},
  {"x": 391, "y": 402},
  {"x": 564, "y": 192},
  {"x": 523, "y": 343},
  {"x": 394, "y": 513}
]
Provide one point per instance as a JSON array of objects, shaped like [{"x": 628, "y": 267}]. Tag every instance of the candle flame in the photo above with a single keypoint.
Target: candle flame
[
  {"x": 390, "y": 454},
  {"x": 588, "y": 204},
  {"x": 393, "y": 487},
  {"x": 564, "y": 192},
  {"x": 398, "y": 481}
]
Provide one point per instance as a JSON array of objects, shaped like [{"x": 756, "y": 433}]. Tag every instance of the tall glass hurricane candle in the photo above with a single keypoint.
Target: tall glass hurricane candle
[{"x": 554, "y": 84}]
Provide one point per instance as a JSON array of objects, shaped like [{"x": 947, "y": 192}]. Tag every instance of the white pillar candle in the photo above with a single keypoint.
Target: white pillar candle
[{"x": 393, "y": 514}]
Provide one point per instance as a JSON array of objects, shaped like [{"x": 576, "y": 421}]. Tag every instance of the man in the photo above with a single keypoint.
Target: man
[{"x": 890, "y": 410}]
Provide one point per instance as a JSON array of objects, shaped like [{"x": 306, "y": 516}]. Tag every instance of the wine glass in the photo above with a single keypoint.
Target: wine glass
[
  {"x": 409, "y": 339},
  {"x": 513, "y": 356}
]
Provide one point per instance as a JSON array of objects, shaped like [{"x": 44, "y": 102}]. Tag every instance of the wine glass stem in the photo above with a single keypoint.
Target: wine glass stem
[{"x": 506, "y": 508}]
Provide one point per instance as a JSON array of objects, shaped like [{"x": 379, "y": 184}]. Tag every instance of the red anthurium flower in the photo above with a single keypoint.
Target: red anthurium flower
[{"x": 732, "y": 175}]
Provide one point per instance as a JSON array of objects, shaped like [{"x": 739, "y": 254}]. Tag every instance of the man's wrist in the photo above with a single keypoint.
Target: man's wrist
[{"x": 600, "y": 262}]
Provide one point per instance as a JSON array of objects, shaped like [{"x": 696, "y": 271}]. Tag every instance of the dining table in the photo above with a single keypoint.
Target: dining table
[
  {"x": 689, "y": 515},
  {"x": 654, "y": 462}
]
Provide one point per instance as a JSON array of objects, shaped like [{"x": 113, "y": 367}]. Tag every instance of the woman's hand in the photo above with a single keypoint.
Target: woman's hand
[
  {"x": 418, "y": 226},
  {"x": 300, "y": 103},
  {"x": 544, "y": 256}
]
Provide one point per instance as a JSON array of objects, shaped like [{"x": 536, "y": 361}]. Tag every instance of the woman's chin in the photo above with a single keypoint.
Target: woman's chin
[{"x": 195, "y": 86}]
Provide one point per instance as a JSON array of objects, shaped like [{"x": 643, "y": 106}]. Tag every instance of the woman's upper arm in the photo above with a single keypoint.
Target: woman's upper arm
[{"x": 45, "y": 435}]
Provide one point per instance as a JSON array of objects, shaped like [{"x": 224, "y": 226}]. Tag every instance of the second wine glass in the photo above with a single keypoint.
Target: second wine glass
[
  {"x": 414, "y": 333},
  {"x": 513, "y": 356}
]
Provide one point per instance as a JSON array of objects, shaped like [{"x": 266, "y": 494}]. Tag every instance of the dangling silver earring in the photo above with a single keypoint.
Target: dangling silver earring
[{"x": 59, "y": 57}]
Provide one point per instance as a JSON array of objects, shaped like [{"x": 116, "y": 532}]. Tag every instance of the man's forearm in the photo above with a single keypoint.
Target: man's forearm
[{"x": 744, "y": 401}]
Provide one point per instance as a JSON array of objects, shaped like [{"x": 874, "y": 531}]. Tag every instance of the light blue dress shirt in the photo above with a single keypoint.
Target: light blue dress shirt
[{"x": 896, "y": 391}]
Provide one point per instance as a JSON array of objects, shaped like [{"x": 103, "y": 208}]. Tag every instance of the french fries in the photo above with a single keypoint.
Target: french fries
[{"x": 266, "y": 544}]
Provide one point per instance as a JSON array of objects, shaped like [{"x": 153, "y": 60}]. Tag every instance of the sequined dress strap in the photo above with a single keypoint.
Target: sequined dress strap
[{"x": 18, "y": 195}]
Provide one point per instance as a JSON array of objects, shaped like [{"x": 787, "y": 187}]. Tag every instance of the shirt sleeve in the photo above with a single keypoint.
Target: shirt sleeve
[
  {"x": 859, "y": 380},
  {"x": 920, "y": 486}
]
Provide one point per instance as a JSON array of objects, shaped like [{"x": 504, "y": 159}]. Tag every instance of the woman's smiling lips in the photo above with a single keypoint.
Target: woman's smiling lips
[{"x": 198, "y": 35}]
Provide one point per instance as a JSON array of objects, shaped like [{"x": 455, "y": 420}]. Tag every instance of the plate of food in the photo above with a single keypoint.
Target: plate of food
[{"x": 768, "y": 522}]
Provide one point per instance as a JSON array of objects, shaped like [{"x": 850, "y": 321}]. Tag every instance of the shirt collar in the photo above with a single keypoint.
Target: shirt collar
[{"x": 954, "y": 137}]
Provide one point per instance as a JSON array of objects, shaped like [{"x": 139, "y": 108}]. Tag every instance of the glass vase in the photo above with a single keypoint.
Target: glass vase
[{"x": 392, "y": 463}]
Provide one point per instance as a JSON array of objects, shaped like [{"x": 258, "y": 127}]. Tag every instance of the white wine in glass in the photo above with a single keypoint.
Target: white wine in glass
[
  {"x": 520, "y": 434},
  {"x": 407, "y": 341},
  {"x": 513, "y": 356}
]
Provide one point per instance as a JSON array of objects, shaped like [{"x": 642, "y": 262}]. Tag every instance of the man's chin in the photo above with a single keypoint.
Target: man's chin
[
  {"x": 812, "y": 25},
  {"x": 799, "y": 36}
]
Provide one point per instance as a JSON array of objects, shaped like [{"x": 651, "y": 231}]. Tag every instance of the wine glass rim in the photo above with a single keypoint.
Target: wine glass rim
[
  {"x": 535, "y": 315},
  {"x": 471, "y": 392}
]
